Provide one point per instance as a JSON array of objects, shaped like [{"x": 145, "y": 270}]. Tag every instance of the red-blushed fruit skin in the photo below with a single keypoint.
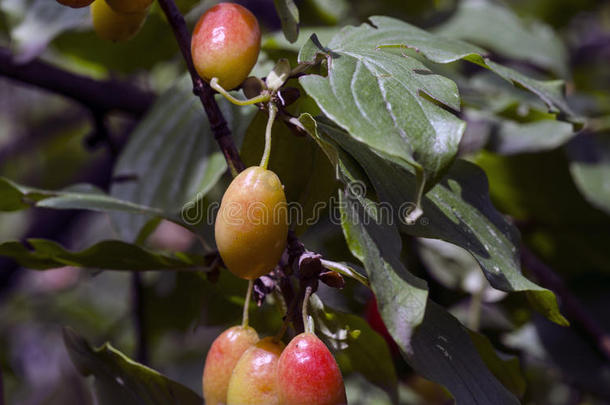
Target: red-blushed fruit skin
[
  {"x": 308, "y": 374},
  {"x": 254, "y": 381},
  {"x": 225, "y": 44},
  {"x": 252, "y": 223},
  {"x": 75, "y": 3},
  {"x": 222, "y": 357}
]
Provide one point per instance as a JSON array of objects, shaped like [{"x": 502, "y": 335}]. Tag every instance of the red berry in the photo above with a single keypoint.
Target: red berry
[
  {"x": 308, "y": 374},
  {"x": 225, "y": 44}
]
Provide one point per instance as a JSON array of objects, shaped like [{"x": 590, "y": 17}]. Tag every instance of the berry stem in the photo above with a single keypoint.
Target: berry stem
[
  {"x": 308, "y": 326},
  {"x": 267, "y": 152},
  {"x": 258, "y": 99},
  {"x": 245, "y": 316}
]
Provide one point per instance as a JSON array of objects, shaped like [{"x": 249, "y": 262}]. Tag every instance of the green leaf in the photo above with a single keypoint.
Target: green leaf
[
  {"x": 14, "y": 197},
  {"x": 589, "y": 156},
  {"x": 289, "y": 17},
  {"x": 358, "y": 348},
  {"x": 306, "y": 174},
  {"x": 444, "y": 50},
  {"x": 392, "y": 103},
  {"x": 396, "y": 33},
  {"x": 391, "y": 32},
  {"x": 507, "y": 369},
  {"x": 442, "y": 351},
  {"x": 496, "y": 28},
  {"x": 439, "y": 348},
  {"x": 377, "y": 245},
  {"x": 457, "y": 210},
  {"x": 120, "y": 380},
  {"x": 171, "y": 158},
  {"x": 45, "y": 254}
]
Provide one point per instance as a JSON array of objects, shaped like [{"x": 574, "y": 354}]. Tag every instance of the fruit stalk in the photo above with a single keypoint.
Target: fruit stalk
[
  {"x": 245, "y": 316},
  {"x": 268, "y": 129},
  {"x": 307, "y": 325}
]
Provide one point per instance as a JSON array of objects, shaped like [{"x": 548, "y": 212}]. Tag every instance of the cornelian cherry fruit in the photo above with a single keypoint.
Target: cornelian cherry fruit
[
  {"x": 222, "y": 357},
  {"x": 308, "y": 374},
  {"x": 225, "y": 44},
  {"x": 252, "y": 223},
  {"x": 254, "y": 381}
]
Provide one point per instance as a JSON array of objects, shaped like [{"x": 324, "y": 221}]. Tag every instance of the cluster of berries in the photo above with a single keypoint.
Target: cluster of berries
[{"x": 240, "y": 369}]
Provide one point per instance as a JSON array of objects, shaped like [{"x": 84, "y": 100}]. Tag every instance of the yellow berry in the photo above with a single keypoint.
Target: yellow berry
[
  {"x": 113, "y": 26},
  {"x": 254, "y": 380},
  {"x": 252, "y": 223}
]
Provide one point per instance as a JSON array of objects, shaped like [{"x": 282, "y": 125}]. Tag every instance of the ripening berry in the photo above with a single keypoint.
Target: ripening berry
[
  {"x": 308, "y": 374},
  {"x": 113, "y": 26},
  {"x": 222, "y": 357},
  {"x": 254, "y": 381},
  {"x": 129, "y": 6},
  {"x": 225, "y": 44},
  {"x": 252, "y": 223},
  {"x": 75, "y": 3}
]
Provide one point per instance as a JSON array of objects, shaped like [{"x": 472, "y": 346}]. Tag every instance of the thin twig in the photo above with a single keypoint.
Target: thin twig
[
  {"x": 139, "y": 319},
  {"x": 100, "y": 96},
  {"x": 572, "y": 306}
]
